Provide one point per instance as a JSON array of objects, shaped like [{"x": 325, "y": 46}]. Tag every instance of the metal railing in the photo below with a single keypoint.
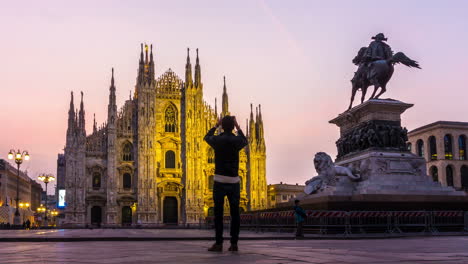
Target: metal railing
[{"x": 355, "y": 222}]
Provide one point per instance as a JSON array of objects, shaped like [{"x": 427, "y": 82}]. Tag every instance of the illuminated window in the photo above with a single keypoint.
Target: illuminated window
[
  {"x": 127, "y": 181},
  {"x": 127, "y": 152},
  {"x": 433, "y": 148},
  {"x": 448, "y": 147},
  {"x": 434, "y": 173},
  {"x": 96, "y": 180},
  {"x": 170, "y": 159},
  {"x": 420, "y": 148},
  {"x": 170, "y": 119},
  {"x": 462, "y": 147},
  {"x": 449, "y": 175}
]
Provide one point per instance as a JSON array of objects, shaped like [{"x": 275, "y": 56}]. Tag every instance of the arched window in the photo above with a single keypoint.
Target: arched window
[
  {"x": 449, "y": 175},
  {"x": 408, "y": 146},
  {"x": 434, "y": 173},
  {"x": 420, "y": 148},
  {"x": 432, "y": 148},
  {"x": 448, "y": 147},
  {"x": 210, "y": 182},
  {"x": 127, "y": 152},
  {"x": 464, "y": 177},
  {"x": 462, "y": 147},
  {"x": 96, "y": 180},
  {"x": 127, "y": 181},
  {"x": 170, "y": 119},
  {"x": 170, "y": 159},
  {"x": 210, "y": 155}
]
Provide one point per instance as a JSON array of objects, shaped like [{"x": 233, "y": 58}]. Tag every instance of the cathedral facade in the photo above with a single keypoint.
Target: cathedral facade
[{"x": 148, "y": 164}]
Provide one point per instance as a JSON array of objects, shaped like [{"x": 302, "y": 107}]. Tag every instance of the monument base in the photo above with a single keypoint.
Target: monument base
[
  {"x": 372, "y": 146},
  {"x": 382, "y": 202}
]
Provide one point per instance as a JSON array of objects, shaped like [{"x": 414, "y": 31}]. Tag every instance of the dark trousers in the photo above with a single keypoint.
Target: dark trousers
[{"x": 232, "y": 191}]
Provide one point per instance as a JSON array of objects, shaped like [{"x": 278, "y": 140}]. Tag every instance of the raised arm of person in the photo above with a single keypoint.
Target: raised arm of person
[
  {"x": 243, "y": 140},
  {"x": 210, "y": 138}
]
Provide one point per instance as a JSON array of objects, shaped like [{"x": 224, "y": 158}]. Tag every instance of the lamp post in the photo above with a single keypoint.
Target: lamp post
[
  {"x": 23, "y": 206},
  {"x": 54, "y": 213},
  {"x": 18, "y": 156},
  {"x": 40, "y": 209},
  {"x": 46, "y": 178}
]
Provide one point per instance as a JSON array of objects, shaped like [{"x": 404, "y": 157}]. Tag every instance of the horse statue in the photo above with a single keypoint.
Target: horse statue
[{"x": 376, "y": 73}]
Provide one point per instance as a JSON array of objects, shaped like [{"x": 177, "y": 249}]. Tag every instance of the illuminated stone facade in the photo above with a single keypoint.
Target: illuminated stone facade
[
  {"x": 148, "y": 164},
  {"x": 283, "y": 193},
  {"x": 443, "y": 145}
]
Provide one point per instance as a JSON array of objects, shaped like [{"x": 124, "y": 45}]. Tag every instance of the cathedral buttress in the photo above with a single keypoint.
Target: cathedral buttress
[
  {"x": 112, "y": 178},
  {"x": 145, "y": 137}
]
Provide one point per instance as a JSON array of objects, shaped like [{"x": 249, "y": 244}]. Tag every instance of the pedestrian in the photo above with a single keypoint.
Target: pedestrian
[
  {"x": 226, "y": 147},
  {"x": 28, "y": 224},
  {"x": 300, "y": 215}
]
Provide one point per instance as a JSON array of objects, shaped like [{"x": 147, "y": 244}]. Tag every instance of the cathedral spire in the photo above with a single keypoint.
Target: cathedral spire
[
  {"x": 112, "y": 107},
  {"x": 225, "y": 103},
  {"x": 141, "y": 54},
  {"x": 141, "y": 71},
  {"x": 94, "y": 124},
  {"x": 216, "y": 108},
  {"x": 151, "y": 64},
  {"x": 260, "y": 122},
  {"x": 188, "y": 71},
  {"x": 252, "y": 129},
  {"x": 197, "y": 72},
  {"x": 151, "y": 52},
  {"x": 71, "y": 117},
  {"x": 81, "y": 122},
  {"x": 146, "y": 54}
]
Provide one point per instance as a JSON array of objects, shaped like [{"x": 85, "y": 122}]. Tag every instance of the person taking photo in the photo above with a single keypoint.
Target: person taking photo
[{"x": 226, "y": 147}]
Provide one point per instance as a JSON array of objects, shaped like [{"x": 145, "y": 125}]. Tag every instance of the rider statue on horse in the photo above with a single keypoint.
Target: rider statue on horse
[{"x": 375, "y": 67}]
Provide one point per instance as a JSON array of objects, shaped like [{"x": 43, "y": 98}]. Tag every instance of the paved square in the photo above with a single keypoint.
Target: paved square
[{"x": 396, "y": 250}]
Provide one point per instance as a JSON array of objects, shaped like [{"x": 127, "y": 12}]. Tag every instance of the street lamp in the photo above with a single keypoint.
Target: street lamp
[
  {"x": 18, "y": 156},
  {"x": 46, "y": 178},
  {"x": 23, "y": 206},
  {"x": 54, "y": 214},
  {"x": 40, "y": 209}
]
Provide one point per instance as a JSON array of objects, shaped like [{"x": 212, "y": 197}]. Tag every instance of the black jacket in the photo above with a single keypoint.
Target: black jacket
[{"x": 226, "y": 147}]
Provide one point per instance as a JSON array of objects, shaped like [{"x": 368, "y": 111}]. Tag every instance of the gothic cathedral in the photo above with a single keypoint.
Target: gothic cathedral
[{"x": 148, "y": 164}]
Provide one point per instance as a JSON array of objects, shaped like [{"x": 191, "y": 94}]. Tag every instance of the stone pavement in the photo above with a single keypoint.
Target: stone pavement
[
  {"x": 397, "y": 250},
  {"x": 78, "y": 235},
  {"x": 59, "y": 235}
]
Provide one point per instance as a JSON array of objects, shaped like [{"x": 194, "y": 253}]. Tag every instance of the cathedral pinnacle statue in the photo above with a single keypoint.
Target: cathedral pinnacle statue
[{"x": 375, "y": 67}]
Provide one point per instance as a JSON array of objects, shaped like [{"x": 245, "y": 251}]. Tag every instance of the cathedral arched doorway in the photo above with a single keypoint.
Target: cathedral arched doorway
[
  {"x": 126, "y": 216},
  {"x": 170, "y": 210},
  {"x": 96, "y": 215}
]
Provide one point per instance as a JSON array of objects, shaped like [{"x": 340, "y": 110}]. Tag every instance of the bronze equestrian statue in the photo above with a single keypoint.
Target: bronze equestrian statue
[{"x": 376, "y": 66}]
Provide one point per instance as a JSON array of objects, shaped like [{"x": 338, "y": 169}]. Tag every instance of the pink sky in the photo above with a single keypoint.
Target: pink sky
[{"x": 293, "y": 57}]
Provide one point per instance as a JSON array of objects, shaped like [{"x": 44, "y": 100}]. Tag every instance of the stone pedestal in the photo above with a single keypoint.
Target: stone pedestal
[{"x": 373, "y": 145}]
